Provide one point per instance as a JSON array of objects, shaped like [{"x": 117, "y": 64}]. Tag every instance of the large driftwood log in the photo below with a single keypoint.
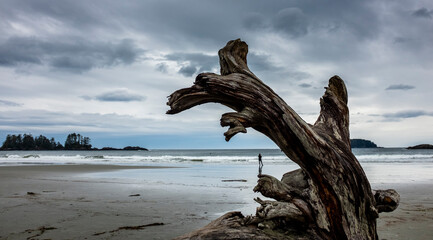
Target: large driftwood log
[{"x": 328, "y": 198}]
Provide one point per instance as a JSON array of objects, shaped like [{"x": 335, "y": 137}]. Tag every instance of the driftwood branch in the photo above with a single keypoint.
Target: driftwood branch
[
  {"x": 329, "y": 197},
  {"x": 386, "y": 200}
]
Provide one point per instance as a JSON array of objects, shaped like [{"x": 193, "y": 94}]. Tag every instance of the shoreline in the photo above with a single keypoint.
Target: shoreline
[
  {"x": 157, "y": 202},
  {"x": 75, "y": 168}
]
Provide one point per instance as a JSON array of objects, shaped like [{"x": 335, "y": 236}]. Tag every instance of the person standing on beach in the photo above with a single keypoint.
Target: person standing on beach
[{"x": 260, "y": 164}]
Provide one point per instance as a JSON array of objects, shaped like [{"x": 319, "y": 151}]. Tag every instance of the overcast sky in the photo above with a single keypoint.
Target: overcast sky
[{"x": 105, "y": 68}]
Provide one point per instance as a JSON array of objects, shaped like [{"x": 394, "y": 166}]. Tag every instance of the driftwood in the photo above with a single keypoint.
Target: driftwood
[{"x": 328, "y": 198}]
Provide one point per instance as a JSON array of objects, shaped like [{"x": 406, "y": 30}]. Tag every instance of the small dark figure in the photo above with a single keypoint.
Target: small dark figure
[{"x": 260, "y": 164}]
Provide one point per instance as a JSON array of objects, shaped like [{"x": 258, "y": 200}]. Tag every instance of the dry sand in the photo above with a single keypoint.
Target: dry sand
[{"x": 63, "y": 202}]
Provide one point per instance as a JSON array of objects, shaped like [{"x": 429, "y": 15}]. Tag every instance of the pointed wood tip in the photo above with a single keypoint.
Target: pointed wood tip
[
  {"x": 233, "y": 57},
  {"x": 338, "y": 88}
]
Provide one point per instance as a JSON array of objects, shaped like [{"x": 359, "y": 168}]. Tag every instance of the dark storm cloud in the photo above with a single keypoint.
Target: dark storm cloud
[
  {"x": 81, "y": 15},
  {"x": 9, "y": 103},
  {"x": 352, "y": 38},
  {"x": 75, "y": 55},
  {"x": 296, "y": 19},
  {"x": 291, "y": 21},
  {"x": 20, "y": 50},
  {"x": 120, "y": 95},
  {"x": 204, "y": 23},
  {"x": 400, "y": 87},
  {"x": 327, "y": 31},
  {"x": 407, "y": 114},
  {"x": 201, "y": 24},
  {"x": 423, "y": 13}
]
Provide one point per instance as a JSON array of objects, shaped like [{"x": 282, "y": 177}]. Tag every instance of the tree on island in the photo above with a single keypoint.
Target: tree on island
[
  {"x": 27, "y": 142},
  {"x": 77, "y": 142},
  {"x": 362, "y": 143},
  {"x": 73, "y": 141},
  {"x": 12, "y": 142},
  {"x": 330, "y": 197}
]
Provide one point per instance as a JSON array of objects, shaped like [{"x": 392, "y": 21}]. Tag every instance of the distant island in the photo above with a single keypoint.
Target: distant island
[
  {"x": 128, "y": 148},
  {"x": 73, "y": 141},
  {"x": 362, "y": 143},
  {"x": 421, "y": 146}
]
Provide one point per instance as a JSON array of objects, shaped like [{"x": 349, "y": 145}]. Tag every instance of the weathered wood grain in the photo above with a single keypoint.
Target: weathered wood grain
[{"x": 329, "y": 198}]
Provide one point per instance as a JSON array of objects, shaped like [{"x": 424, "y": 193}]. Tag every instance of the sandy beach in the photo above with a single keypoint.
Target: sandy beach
[
  {"x": 111, "y": 202},
  {"x": 61, "y": 202}
]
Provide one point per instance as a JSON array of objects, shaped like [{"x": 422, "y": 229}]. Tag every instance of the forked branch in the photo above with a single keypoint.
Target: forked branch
[{"x": 331, "y": 194}]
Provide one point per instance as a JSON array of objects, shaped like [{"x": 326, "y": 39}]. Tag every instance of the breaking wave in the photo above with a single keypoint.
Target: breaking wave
[{"x": 195, "y": 157}]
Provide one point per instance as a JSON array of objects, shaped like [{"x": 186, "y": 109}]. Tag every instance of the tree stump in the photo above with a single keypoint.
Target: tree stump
[{"x": 328, "y": 198}]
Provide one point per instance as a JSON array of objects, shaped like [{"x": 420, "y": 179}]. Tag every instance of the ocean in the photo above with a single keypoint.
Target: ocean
[
  {"x": 205, "y": 156},
  {"x": 382, "y": 165}
]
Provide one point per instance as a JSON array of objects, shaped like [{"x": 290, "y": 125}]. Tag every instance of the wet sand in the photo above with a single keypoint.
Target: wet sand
[
  {"x": 413, "y": 219},
  {"x": 100, "y": 202},
  {"x": 62, "y": 202}
]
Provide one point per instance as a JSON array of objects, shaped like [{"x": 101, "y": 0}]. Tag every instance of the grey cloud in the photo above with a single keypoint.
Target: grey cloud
[
  {"x": 121, "y": 95},
  {"x": 330, "y": 32},
  {"x": 88, "y": 98},
  {"x": 202, "y": 62},
  {"x": 291, "y": 21},
  {"x": 190, "y": 23},
  {"x": 72, "y": 64},
  {"x": 193, "y": 62},
  {"x": 49, "y": 121},
  {"x": 261, "y": 62},
  {"x": 264, "y": 63},
  {"x": 187, "y": 71},
  {"x": 298, "y": 75},
  {"x": 36, "y": 118},
  {"x": 75, "y": 55},
  {"x": 401, "y": 40},
  {"x": 305, "y": 85},
  {"x": 202, "y": 24},
  {"x": 423, "y": 13},
  {"x": 162, "y": 67},
  {"x": 350, "y": 38},
  {"x": 254, "y": 21},
  {"x": 76, "y": 14},
  {"x": 407, "y": 114},
  {"x": 9, "y": 103},
  {"x": 355, "y": 18},
  {"x": 30, "y": 120},
  {"x": 400, "y": 87},
  {"x": 20, "y": 50},
  {"x": 196, "y": 62}
]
